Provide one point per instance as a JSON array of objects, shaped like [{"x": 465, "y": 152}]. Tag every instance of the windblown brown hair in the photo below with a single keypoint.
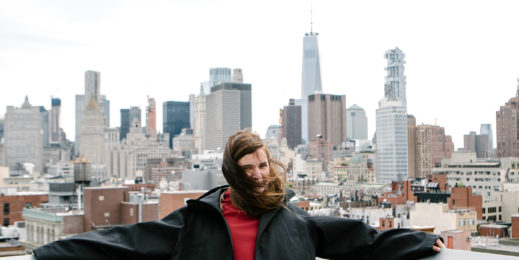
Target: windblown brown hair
[{"x": 243, "y": 187}]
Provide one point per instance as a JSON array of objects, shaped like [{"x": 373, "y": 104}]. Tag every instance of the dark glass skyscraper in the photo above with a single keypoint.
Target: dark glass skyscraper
[
  {"x": 175, "y": 116},
  {"x": 127, "y": 116}
]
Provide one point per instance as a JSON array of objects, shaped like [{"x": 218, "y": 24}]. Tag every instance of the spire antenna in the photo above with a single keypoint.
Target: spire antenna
[{"x": 311, "y": 19}]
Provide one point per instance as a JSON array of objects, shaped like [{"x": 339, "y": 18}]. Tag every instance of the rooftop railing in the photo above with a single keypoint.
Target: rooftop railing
[{"x": 445, "y": 254}]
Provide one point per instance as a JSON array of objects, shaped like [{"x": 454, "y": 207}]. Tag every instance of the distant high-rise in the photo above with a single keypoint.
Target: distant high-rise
[
  {"x": 486, "y": 129},
  {"x": 228, "y": 110},
  {"x": 478, "y": 144},
  {"x": 432, "y": 146},
  {"x": 356, "y": 122},
  {"x": 127, "y": 116},
  {"x": 218, "y": 76},
  {"x": 237, "y": 76},
  {"x": 93, "y": 137},
  {"x": 507, "y": 130},
  {"x": 395, "y": 79},
  {"x": 45, "y": 125},
  {"x": 151, "y": 117},
  {"x": 54, "y": 122},
  {"x": 199, "y": 121},
  {"x": 392, "y": 147},
  {"x": 291, "y": 124},
  {"x": 23, "y": 136},
  {"x": 411, "y": 147},
  {"x": 310, "y": 77},
  {"x": 1, "y": 130},
  {"x": 327, "y": 118},
  {"x": 92, "y": 88},
  {"x": 175, "y": 116},
  {"x": 93, "y": 85}
]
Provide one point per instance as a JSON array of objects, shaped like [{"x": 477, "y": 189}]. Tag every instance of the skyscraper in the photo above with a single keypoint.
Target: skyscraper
[
  {"x": 356, "y": 122},
  {"x": 218, "y": 76},
  {"x": 486, "y": 129},
  {"x": 228, "y": 110},
  {"x": 412, "y": 167},
  {"x": 199, "y": 122},
  {"x": 151, "y": 118},
  {"x": 93, "y": 137},
  {"x": 23, "y": 135},
  {"x": 478, "y": 144},
  {"x": 392, "y": 148},
  {"x": 54, "y": 122},
  {"x": 92, "y": 88},
  {"x": 175, "y": 116},
  {"x": 327, "y": 118},
  {"x": 432, "y": 146},
  {"x": 127, "y": 116},
  {"x": 395, "y": 79},
  {"x": 507, "y": 130},
  {"x": 310, "y": 77},
  {"x": 291, "y": 124}
]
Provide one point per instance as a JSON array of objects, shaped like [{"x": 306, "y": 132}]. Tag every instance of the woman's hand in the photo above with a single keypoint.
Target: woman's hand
[{"x": 439, "y": 244}]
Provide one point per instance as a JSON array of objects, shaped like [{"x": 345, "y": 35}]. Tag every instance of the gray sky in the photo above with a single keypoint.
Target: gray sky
[{"x": 462, "y": 57}]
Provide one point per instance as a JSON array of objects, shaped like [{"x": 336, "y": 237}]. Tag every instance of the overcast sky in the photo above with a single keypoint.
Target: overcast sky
[{"x": 462, "y": 57}]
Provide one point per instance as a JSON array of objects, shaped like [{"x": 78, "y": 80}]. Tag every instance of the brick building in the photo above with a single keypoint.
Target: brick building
[
  {"x": 108, "y": 206},
  {"x": 515, "y": 226},
  {"x": 493, "y": 230},
  {"x": 13, "y": 205},
  {"x": 400, "y": 193},
  {"x": 462, "y": 197},
  {"x": 173, "y": 200}
]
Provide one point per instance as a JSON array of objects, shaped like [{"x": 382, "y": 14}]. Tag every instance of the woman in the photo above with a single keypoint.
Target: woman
[{"x": 249, "y": 219}]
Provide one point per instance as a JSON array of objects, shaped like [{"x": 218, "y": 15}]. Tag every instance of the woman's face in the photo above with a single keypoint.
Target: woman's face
[{"x": 256, "y": 166}]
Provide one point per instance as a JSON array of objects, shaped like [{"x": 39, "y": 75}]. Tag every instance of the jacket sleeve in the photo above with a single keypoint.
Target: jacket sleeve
[
  {"x": 338, "y": 238},
  {"x": 146, "y": 240}
]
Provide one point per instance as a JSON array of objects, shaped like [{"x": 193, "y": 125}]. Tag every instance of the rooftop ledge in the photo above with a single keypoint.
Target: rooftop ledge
[{"x": 445, "y": 254}]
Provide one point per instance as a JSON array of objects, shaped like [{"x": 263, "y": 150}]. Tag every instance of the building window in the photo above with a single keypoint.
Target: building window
[
  {"x": 499, "y": 209},
  {"x": 6, "y": 209},
  {"x": 389, "y": 224},
  {"x": 6, "y": 222},
  {"x": 28, "y": 205},
  {"x": 483, "y": 209}
]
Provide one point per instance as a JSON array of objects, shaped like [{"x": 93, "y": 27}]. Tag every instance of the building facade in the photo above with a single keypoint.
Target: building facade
[
  {"x": 507, "y": 128},
  {"x": 432, "y": 146},
  {"x": 92, "y": 89},
  {"x": 327, "y": 117},
  {"x": 391, "y": 134},
  {"x": 228, "y": 110},
  {"x": 356, "y": 123},
  {"x": 291, "y": 124},
  {"x": 175, "y": 116},
  {"x": 23, "y": 136}
]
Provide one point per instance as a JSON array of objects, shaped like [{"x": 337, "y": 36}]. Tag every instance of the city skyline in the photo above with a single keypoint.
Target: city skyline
[{"x": 462, "y": 61}]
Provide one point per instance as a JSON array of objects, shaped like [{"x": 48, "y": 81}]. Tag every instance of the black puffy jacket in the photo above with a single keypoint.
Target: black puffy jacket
[{"x": 199, "y": 231}]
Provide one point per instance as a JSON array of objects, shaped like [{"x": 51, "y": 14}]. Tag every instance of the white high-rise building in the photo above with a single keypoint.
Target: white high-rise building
[
  {"x": 199, "y": 121},
  {"x": 93, "y": 137},
  {"x": 392, "y": 157},
  {"x": 356, "y": 123},
  {"x": 310, "y": 77},
  {"x": 23, "y": 136},
  {"x": 395, "y": 79},
  {"x": 228, "y": 110},
  {"x": 92, "y": 87}
]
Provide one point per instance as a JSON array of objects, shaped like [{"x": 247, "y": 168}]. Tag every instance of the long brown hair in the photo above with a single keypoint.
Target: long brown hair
[{"x": 243, "y": 187}]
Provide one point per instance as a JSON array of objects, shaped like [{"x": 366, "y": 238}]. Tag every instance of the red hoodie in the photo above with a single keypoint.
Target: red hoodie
[{"x": 244, "y": 229}]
